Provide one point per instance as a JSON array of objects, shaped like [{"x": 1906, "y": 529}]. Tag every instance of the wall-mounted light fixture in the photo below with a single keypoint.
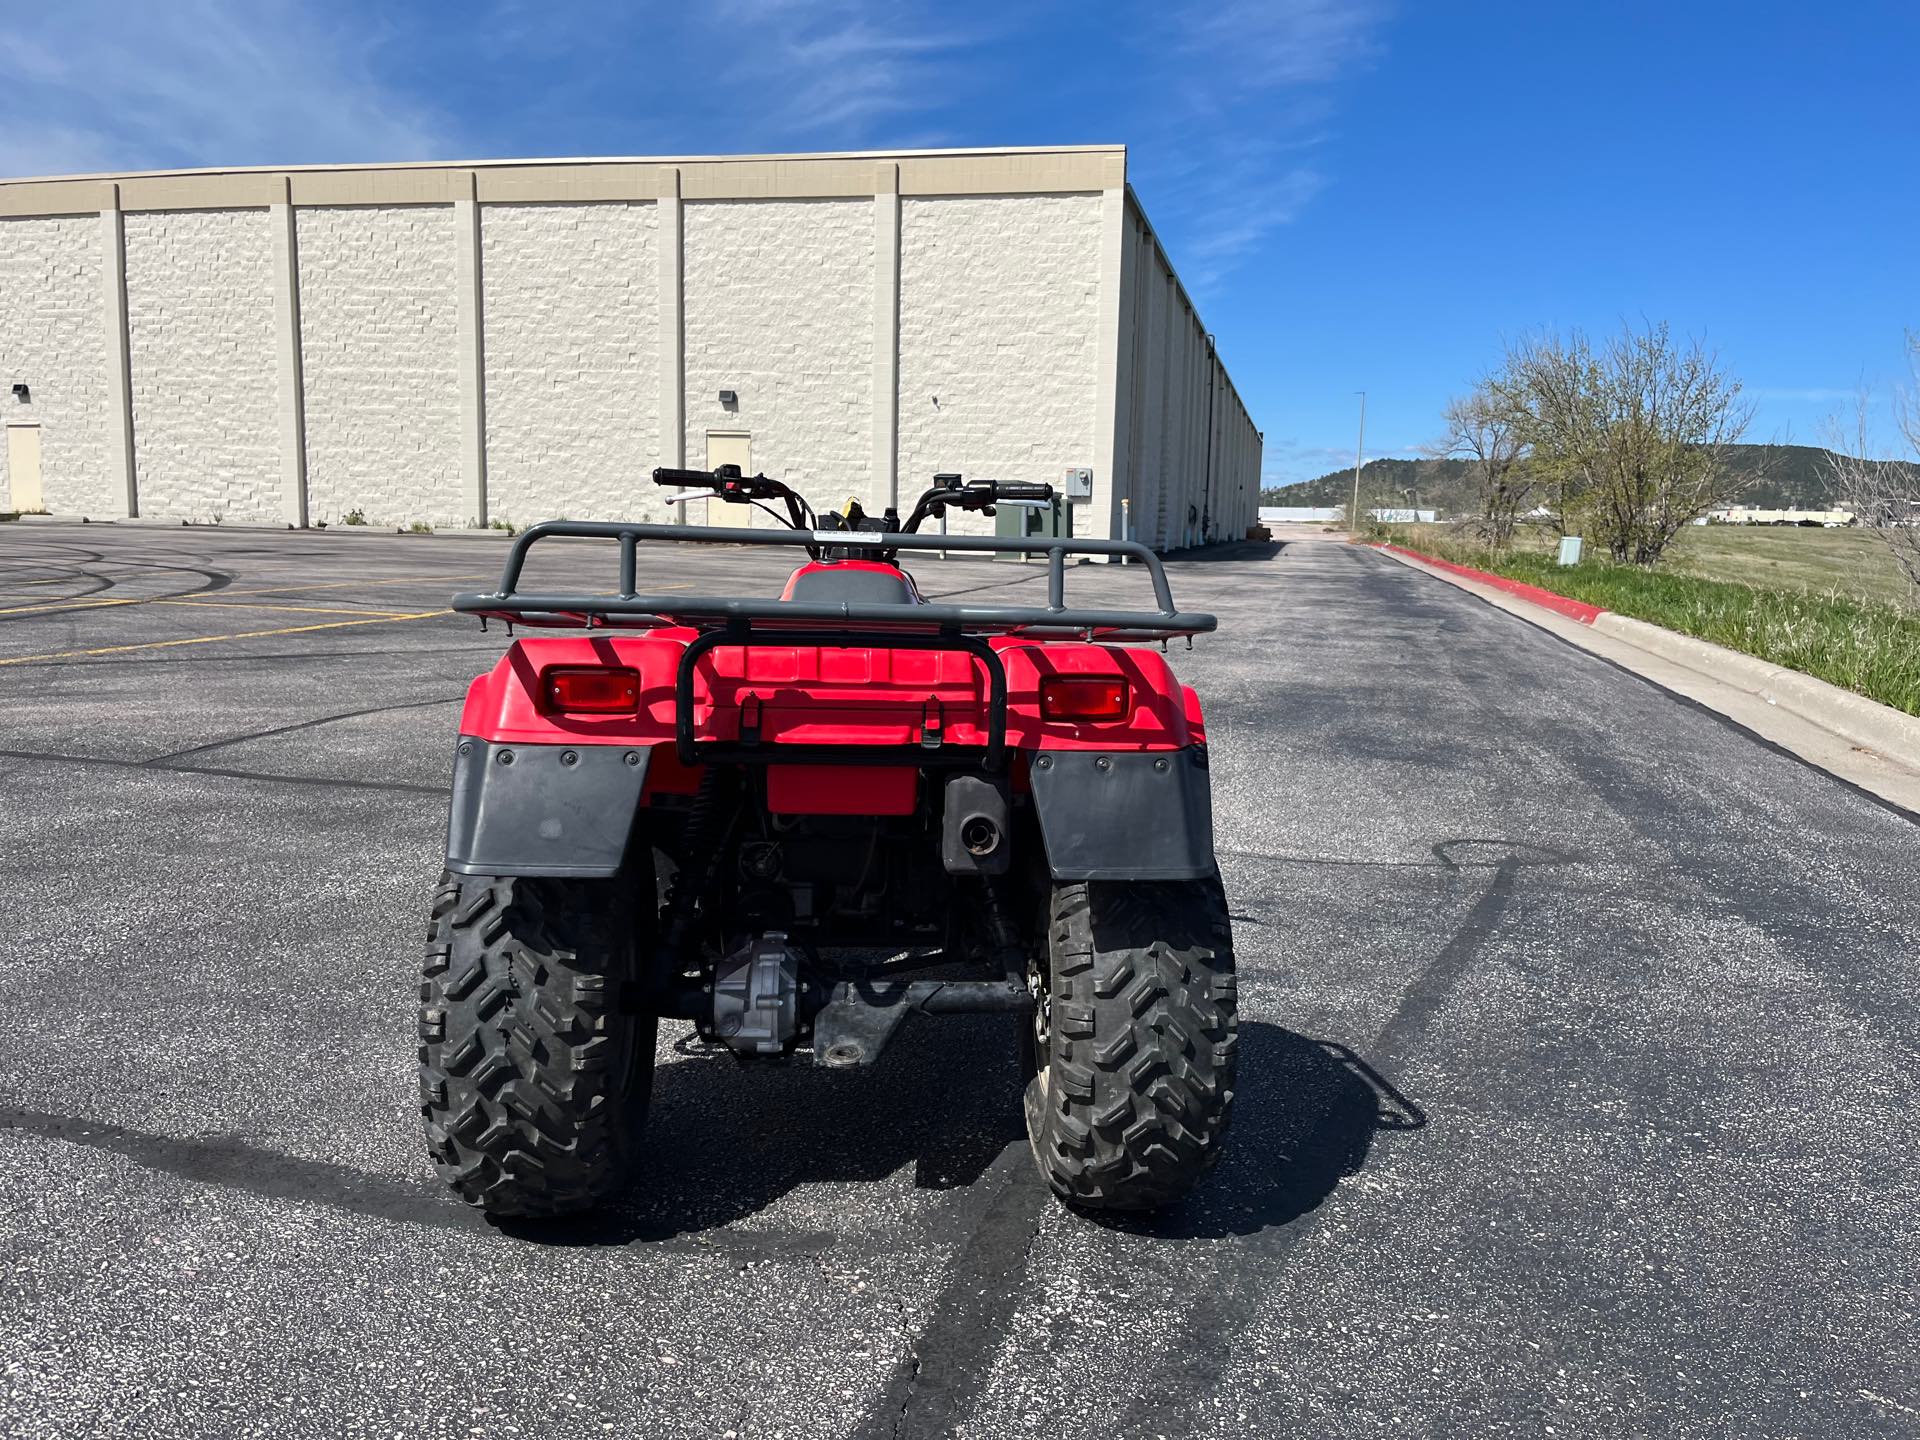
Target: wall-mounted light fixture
[
  {"x": 729, "y": 398},
  {"x": 21, "y": 393}
]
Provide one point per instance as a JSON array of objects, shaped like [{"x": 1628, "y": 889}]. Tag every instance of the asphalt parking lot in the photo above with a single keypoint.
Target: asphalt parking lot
[{"x": 1579, "y": 1060}]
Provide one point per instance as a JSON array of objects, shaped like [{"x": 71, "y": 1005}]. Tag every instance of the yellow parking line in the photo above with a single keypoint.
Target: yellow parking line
[
  {"x": 54, "y": 605},
  {"x": 214, "y": 639},
  {"x": 71, "y": 605},
  {"x": 295, "y": 609},
  {"x": 374, "y": 616},
  {"x": 351, "y": 584}
]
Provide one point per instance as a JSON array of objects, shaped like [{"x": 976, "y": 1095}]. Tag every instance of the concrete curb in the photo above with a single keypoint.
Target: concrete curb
[
  {"x": 1893, "y": 733},
  {"x": 1573, "y": 609},
  {"x": 1854, "y": 718}
]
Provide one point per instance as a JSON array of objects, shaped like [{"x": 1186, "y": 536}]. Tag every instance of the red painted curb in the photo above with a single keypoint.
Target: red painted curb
[{"x": 1574, "y": 609}]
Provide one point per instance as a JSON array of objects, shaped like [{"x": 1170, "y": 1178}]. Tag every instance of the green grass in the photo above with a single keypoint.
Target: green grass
[
  {"x": 1862, "y": 645},
  {"x": 1850, "y": 563},
  {"x": 1854, "y": 563}
]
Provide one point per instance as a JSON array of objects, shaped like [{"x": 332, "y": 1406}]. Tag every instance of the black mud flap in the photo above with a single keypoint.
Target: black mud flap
[
  {"x": 1125, "y": 815},
  {"x": 543, "y": 809}
]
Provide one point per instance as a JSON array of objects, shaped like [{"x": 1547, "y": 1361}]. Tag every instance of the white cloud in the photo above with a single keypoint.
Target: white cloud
[
  {"x": 1808, "y": 395},
  {"x": 98, "y": 86},
  {"x": 832, "y": 69},
  {"x": 1280, "y": 44},
  {"x": 1233, "y": 156},
  {"x": 1225, "y": 103},
  {"x": 1286, "y": 461},
  {"x": 1231, "y": 210}
]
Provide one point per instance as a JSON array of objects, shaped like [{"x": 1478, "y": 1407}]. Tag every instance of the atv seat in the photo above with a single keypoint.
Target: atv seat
[{"x": 857, "y": 580}]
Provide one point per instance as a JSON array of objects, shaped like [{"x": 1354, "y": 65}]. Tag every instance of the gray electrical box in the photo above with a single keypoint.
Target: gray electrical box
[
  {"x": 1076, "y": 483},
  {"x": 1027, "y": 521}
]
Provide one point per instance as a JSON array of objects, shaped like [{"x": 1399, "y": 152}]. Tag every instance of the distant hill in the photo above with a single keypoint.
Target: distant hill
[
  {"x": 1786, "y": 477},
  {"x": 1444, "y": 483}
]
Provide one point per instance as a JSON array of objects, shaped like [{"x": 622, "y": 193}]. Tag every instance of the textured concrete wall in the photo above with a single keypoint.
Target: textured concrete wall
[
  {"x": 779, "y": 308},
  {"x": 379, "y": 339},
  {"x": 571, "y": 332},
  {"x": 1001, "y": 304},
  {"x": 200, "y": 342},
  {"x": 53, "y": 338},
  {"x": 999, "y": 299}
]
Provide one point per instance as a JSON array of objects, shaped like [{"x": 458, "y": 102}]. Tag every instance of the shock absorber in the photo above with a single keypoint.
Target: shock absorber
[
  {"x": 1003, "y": 935},
  {"x": 708, "y": 820}
]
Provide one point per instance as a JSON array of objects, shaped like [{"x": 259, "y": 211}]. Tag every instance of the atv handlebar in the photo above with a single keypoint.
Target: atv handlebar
[
  {"x": 948, "y": 492},
  {"x": 730, "y": 485}
]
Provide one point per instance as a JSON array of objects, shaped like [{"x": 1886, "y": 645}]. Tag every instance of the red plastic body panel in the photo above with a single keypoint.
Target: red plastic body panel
[
  {"x": 828, "y": 695},
  {"x": 842, "y": 790}
]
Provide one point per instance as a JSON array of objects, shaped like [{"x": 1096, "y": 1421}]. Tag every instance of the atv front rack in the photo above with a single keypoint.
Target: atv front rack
[{"x": 631, "y": 608}]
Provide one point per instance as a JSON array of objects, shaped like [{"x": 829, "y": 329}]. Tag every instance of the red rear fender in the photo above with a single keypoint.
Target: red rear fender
[{"x": 853, "y": 695}]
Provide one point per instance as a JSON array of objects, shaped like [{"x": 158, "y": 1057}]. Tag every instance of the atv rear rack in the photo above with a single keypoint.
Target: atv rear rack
[
  {"x": 929, "y": 750},
  {"x": 630, "y": 608}
]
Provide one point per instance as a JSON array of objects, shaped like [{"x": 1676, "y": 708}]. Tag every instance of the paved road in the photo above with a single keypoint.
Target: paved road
[{"x": 1579, "y": 1062}]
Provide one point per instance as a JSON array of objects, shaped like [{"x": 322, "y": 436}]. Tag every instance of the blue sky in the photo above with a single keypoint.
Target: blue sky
[{"x": 1360, "y": 193}]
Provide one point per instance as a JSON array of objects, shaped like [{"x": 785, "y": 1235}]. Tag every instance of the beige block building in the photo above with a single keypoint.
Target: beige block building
[{"x": 461, "y": 344}]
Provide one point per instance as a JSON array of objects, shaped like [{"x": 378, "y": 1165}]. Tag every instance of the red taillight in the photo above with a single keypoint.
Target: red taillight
[
  {"x": 593, "y": 689},
  {"x": 1083, "y": 697}
]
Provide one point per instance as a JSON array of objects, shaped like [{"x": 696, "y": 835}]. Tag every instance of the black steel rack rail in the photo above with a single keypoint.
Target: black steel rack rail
[
  {"x": 930, "y": 749},
  {"x": 631, "y": 608}
]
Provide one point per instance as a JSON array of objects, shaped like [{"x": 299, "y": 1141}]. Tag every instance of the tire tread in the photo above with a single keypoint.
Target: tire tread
[
  {"x": 533, "y": 1084},
  {"x": 1137, "y": 1089}
]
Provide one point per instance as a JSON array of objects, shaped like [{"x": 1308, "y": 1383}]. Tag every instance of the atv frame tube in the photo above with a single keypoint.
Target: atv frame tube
[
  {"x": 694, "y": 751},
  {"x": 630, "y": 607}
]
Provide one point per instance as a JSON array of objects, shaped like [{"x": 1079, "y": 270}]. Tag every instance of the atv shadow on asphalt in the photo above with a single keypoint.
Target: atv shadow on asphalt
[
  {"x": 1304, "y": 1119},
  {"x": 726, "y": 1141}
]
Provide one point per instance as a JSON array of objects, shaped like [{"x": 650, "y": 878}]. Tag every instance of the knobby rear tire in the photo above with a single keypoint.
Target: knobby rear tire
[
  {"x": 1131, "y": 1059},
  {"x": 534, "y": 1077}
]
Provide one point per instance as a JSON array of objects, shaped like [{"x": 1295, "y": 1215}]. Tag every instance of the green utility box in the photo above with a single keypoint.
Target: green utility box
[{"x": 1023, "y": 522}]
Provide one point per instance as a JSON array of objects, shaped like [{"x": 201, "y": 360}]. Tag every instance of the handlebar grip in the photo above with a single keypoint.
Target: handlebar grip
[
  {"x": 1005, "y": 491},
  {"x": 662, "y": 475}
]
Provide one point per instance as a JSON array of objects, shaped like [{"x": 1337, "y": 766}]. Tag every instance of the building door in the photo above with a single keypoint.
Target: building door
[
  {"x": 730, "y": 447},
  {"x": 23, "y": 466}
]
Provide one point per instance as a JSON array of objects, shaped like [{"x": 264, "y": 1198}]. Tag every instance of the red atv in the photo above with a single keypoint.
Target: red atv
[{"x": 796, "y": 822}]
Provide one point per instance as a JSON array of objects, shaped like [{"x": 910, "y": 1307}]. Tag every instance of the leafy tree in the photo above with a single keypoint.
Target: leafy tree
[{"x": 1631, "y": 433}]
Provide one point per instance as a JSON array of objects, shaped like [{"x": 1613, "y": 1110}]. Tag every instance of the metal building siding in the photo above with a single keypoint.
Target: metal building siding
[{"x": 1187, "y": 472}]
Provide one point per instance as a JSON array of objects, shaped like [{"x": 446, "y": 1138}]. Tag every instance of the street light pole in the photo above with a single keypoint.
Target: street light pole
[{"x": 1359, "y": 454}]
